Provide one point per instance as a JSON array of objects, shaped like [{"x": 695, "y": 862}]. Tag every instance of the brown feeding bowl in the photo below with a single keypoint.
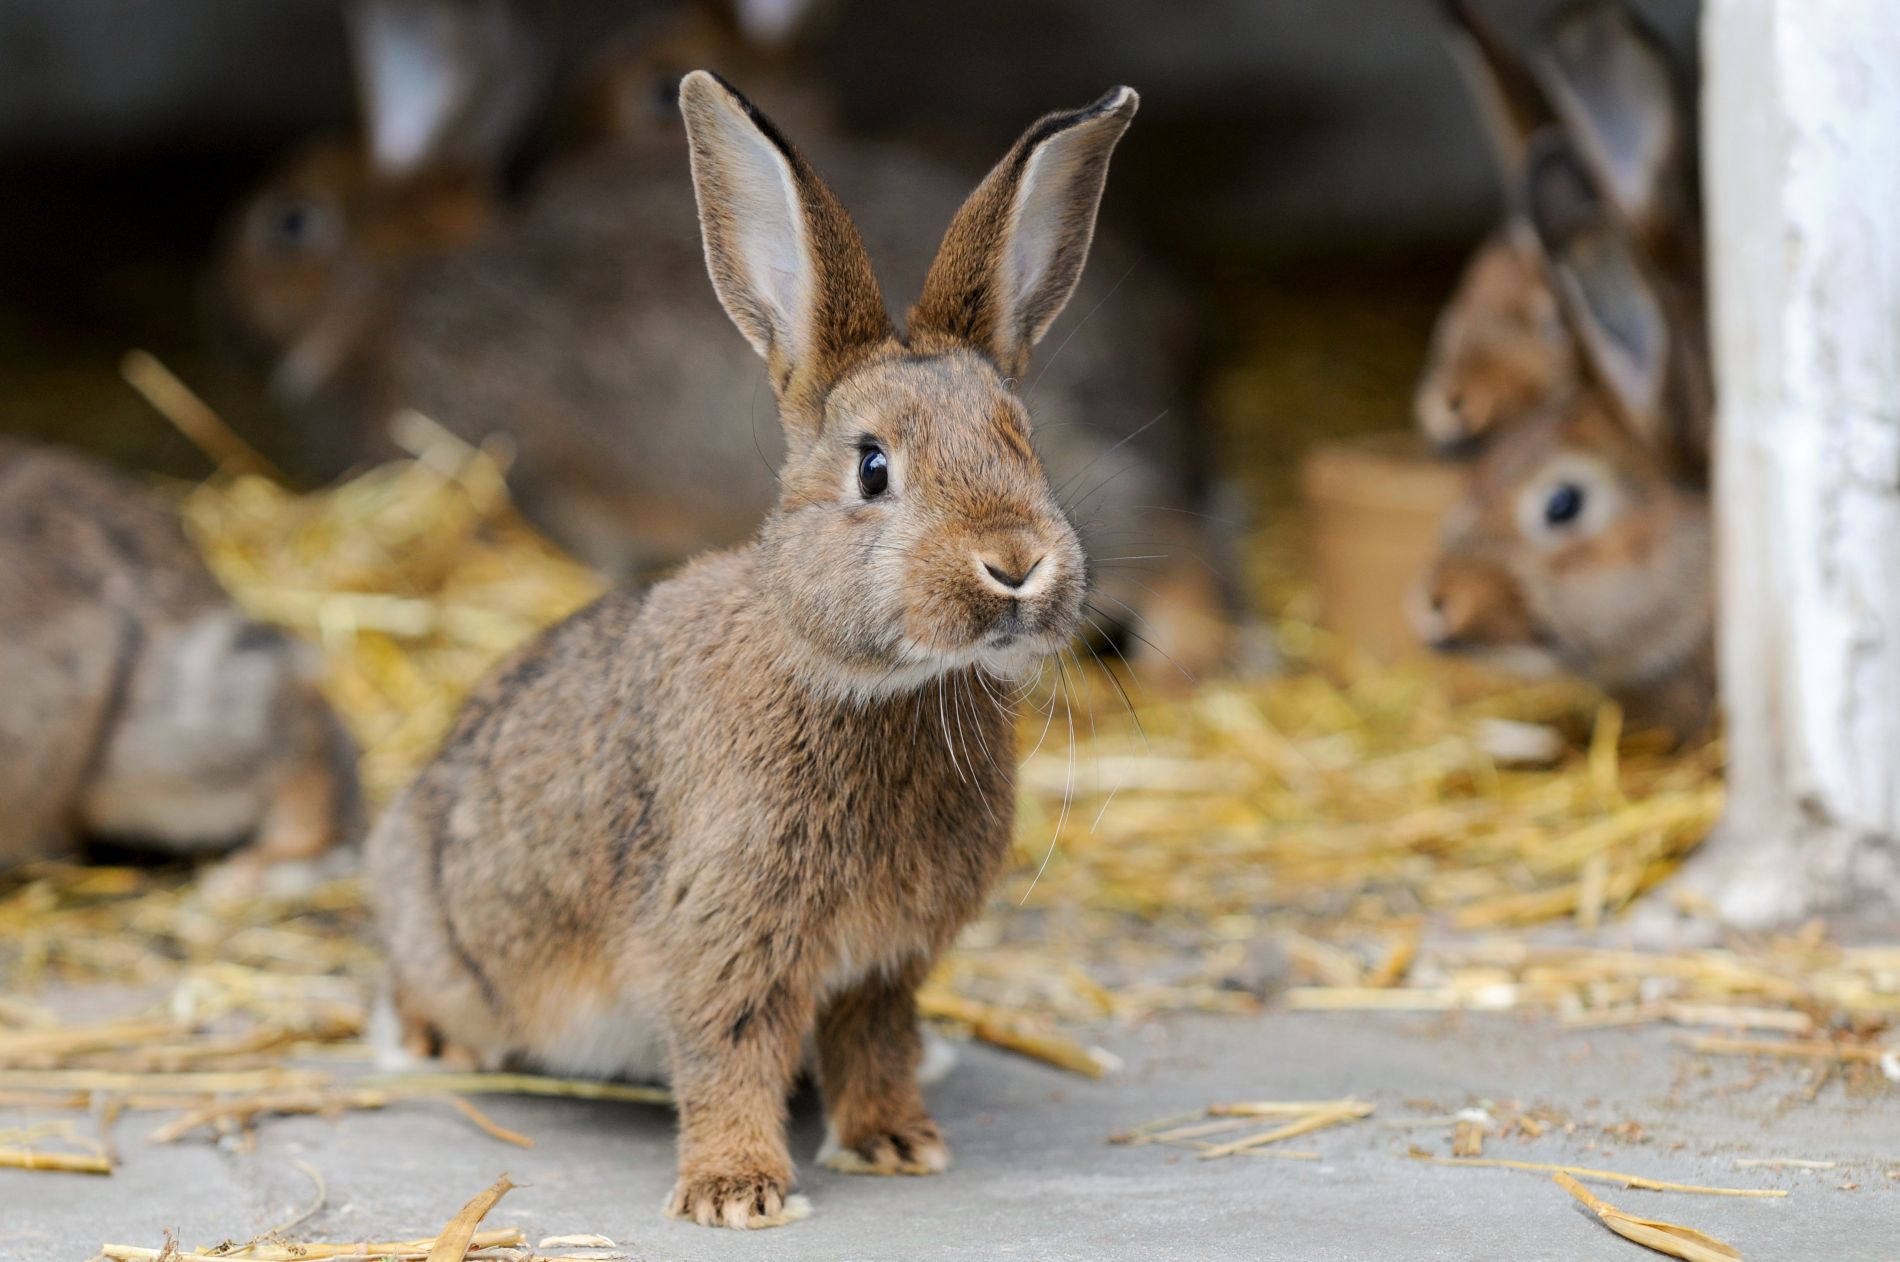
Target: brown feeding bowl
[{"x": 1373, "y": 509}]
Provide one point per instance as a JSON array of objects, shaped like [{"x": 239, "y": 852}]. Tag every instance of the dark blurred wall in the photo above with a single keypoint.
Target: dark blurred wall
[
  {"x": 1288, "y": 143},
  {"x": 119, "y": 74},
  {"x": 1288, "y": 118},
  {"x": 1277, "y": 121}
]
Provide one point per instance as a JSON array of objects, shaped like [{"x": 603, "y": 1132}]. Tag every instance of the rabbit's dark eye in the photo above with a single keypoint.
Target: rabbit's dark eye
[
  {"x": 874, "y": 472},
  {"x": 297, "y": 225},
  {"x": 1564, "y": 504}
]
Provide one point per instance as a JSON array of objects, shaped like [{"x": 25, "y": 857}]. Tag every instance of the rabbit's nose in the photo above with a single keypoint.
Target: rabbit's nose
[{"x": 1012, "y": 575}]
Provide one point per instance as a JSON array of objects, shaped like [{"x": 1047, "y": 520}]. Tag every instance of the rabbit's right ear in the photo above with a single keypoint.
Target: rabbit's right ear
[
  {"x": 787, "y": 262},
  {"x": 1609, "y": 299},
  {"x": 442, "y": 82},
  {"x": 1014, "y": 252},
  {"x": 1510, "y": 101},
  {"x": 1611, "y": 82}
]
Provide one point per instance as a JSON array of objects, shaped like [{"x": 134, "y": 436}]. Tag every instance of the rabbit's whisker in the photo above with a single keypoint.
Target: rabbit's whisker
[
  {"x": 1116, "y": 788},
  {"x": 1185, "y": 672},
  {"x": 1114, "y": 678},
  {"x": 1068, "y": 789},
  {"x": 944, "y": 718},
  {"x": 1088, "y": 695},
  {"x": 1110, "y": 451},
  {"x": 976, "y": 721},
  {"x": 1116, "y": 446},
  {"x": 1188, "y": 512},
  {"x": 1063, "y": 345},
  {"x": 1048, "y": 719},
  {"x": 1005, "y": 704},
  {"x": 756, "y": 445}
]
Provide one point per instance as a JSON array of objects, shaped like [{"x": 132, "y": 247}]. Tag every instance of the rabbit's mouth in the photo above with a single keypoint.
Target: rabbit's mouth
[{"x": 1012, "y": 652}]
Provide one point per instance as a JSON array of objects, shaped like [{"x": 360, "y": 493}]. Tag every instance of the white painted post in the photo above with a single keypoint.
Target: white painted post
[{"x": 1801, "y": 115}]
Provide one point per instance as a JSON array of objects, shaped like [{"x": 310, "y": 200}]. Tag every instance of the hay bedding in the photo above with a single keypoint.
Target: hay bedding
[{"x": 1349, "y": 835}]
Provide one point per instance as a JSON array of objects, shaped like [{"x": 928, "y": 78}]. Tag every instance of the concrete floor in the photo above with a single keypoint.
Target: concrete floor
[{"x": 1034, "y": 1178}]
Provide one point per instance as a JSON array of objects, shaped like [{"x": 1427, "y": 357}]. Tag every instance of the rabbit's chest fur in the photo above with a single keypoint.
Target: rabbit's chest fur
[{"x": 642, "y": 817}]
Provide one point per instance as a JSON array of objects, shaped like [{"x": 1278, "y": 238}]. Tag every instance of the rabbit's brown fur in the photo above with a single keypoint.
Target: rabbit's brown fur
[
  {"x": 1499, "y": 349},
  {"x": 678, "y": 834},
  {"x": 135, "y": 702}
]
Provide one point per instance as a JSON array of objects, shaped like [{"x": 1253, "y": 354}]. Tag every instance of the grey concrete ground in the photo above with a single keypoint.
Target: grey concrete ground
[{"x": 1034, "y": 1178}]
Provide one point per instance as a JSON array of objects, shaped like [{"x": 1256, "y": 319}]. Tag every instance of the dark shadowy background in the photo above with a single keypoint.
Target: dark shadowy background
[{"x": 1311, "y": 168}]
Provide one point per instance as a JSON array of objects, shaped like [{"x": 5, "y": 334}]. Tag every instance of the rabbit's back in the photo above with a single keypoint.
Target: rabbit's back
[
  {"x": 89, "y": 562},
  {"x": 77, "y": 526}
]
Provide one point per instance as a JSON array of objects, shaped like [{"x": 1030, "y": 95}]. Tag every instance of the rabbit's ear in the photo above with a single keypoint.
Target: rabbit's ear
[
  {"x": 1510, "y": 101},
  {"x": 441, "y": 82},
  {"x": 1014, "y": 252},
  {"x": 1611, "y": 82},
  {"x": 1609, "y": 299},
  {"x": 786, "y": 260}
]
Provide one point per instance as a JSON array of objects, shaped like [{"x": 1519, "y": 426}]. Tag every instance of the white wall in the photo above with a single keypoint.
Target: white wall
[{"x": 1802, "y": 123}]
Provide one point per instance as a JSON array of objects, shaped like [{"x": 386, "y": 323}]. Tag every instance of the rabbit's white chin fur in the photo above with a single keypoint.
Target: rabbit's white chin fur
[{"x": 919, "y": 667}]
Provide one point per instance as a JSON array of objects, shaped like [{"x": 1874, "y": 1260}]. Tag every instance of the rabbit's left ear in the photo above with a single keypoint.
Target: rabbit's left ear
[
  {"x": 1014, "y": 252},
  {"x": 786, "y": 260},
  {"x": 1510, "y": 101}
]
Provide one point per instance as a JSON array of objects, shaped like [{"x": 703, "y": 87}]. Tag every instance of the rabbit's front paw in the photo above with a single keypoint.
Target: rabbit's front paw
[
  {"x": 735, "y": 1200},
  {"x": 913, "y": 1147}
]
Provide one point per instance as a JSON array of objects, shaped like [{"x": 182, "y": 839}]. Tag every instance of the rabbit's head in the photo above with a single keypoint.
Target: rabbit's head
[
  {"x": 1584, "y": 536},
  {"x": 1575, "y": 548},
  {"x": 308, "y": 259},
  {"x": 1499, "y": 349},
  {"x": 916, "y": 531}
]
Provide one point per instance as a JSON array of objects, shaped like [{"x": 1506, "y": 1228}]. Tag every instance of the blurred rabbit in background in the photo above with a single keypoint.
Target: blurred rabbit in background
[
  {"x": 140, "y": 705},
  {"x": 576, "y": 323},
  {"x": 1584, "y": 537}
]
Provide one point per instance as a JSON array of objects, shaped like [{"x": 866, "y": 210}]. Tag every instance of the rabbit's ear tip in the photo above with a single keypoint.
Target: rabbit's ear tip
[
  {"x": 1120, "y": 99},
  {"x": 703, "y": 87}
]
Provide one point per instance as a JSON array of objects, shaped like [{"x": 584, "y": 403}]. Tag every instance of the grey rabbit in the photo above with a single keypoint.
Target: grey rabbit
[
  {"x": 687, "y": 829},
  {"x": 136, "y": 702}
]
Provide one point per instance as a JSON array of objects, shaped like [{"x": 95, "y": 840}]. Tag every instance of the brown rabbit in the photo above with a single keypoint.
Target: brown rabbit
[
  {"x": 310, "y": 271},
  {"x": 1584, "y": 538},
  {"x": 677, "y": 834},
  {"x": 579, "y": 325},
  {"x": 135, "y": 702}
]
